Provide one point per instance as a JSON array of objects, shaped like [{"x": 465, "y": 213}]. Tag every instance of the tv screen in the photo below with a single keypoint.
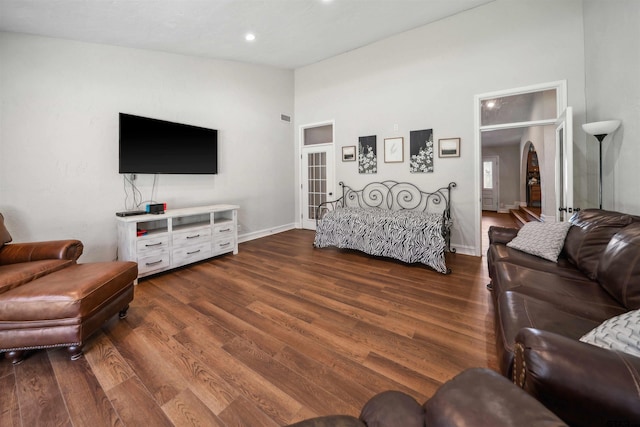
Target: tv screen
[{"x": 158, "y": 146}]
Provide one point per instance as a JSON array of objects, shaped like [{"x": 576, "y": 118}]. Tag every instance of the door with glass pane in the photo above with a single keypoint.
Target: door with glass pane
[
  {"x": 317, "y": 181},
  {"x": 316, "y": 169},
  {"x": 490, "y": 182}
]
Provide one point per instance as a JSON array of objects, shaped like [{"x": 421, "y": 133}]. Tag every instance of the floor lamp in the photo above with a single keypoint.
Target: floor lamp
[{"x": 600, "y": 130}]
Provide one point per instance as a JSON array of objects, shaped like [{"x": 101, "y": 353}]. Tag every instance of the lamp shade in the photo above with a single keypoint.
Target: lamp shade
[{"x": 601, "y": 128}]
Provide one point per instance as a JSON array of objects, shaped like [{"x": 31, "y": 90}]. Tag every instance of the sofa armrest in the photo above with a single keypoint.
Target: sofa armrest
[
  {"x": 35, "y": 251},
  {"x": 501, "y": 234},
  {"x": 583, "y": 384},
  {"x": 480, "y": 397}
]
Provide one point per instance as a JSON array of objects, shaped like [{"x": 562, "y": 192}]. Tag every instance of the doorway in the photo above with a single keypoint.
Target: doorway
[
  {"x": 515, "y": 112},
  {"x": 490, "y": 183},
  {"x": 316, "y": 170}
]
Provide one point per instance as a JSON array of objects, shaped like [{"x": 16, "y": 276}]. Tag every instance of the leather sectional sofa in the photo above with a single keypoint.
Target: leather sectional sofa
[
  {"x": 596, "y": 277},
  {"x": 543, "y": 309},
  {"x": 48, "y": 300}
]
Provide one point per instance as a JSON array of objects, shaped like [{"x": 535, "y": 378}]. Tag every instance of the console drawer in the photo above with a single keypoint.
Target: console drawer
[
  {"x": 223, "y": 245},
  {"x": 191, "y": 253},
  {"x": 153, "y": 243},
  {"x": 224, "y": 229},
  {"x": 150, "y": 263},
  {"x": 191, "y": 237}
]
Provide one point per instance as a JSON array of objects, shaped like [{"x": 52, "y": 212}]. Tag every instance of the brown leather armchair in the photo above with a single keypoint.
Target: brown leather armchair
[{"x": 48, "y": 300}]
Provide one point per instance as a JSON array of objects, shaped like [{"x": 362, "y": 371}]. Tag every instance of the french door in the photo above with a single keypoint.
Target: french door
[{"x": 316, "y": 181}]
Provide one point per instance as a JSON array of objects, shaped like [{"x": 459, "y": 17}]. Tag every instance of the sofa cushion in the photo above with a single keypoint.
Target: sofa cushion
[
  {"x": 541, "y": 239},
  {"x": 577, "y": 296},
  {"x": 515, "y": 311},
  {"x": 619, "y": 267},
  {"x": 5, "y": 237},
  {"x": 620, "y": 333},
  {"x": 502, "y": 253},
  {"x": 13, "y": 275},
  {"x": 589, "y": 235}
]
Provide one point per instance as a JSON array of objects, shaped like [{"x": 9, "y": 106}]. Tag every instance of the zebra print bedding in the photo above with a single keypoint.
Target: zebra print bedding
[{"x": 408, "y": 236}]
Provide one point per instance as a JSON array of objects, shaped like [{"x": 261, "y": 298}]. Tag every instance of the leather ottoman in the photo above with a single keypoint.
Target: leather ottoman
[{"x": 63, "y": 308}]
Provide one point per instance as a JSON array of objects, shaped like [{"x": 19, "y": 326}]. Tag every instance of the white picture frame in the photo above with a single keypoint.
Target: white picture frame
[
  {"x": 394, "y": 150},
  {"x": 449, "y": 147},
  {"x": 349, "y": 153}
]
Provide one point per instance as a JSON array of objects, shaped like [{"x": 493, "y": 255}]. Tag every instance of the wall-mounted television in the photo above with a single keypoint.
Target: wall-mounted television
[{"x": 157, "y": 146}]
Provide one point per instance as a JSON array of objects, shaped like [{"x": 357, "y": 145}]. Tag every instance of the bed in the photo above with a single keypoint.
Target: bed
[{"x": 390, "y": 219}]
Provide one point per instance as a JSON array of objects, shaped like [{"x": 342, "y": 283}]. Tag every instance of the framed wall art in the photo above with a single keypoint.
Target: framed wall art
[
  {"x": 421, "y": 151},
  {"x": 349, "y": 153},
  {"x": 449, "y": 147},
  {"x": 368, "y": 154},
  {"x": 394, "y": 150}
]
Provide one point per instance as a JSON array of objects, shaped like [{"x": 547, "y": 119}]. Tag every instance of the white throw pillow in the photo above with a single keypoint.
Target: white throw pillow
[
  {"x": 543, "y": 239},
  {"x": 620, "y": 333}
]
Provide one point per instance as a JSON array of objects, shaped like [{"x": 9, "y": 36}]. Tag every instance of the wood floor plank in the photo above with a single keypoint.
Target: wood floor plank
[
  {"x": 136, "y": 406},
  {"x": 243, "y": 413},
  {"x": 278, "y": 333},
  {"x": 214, "y": 390},
  {"x": 41, "y": 402},
  {"x": 9, "y": 406},
  {"x": 186, "y": 410},
  {"x": 423, "y": 385},
  {"x": 107, "y": 363},
  {"x": 286, "y": 379},
  {"x": 270, "y": 399},
  {"x": 86, "y": 401},
  {"x": 148, "y": 364}
]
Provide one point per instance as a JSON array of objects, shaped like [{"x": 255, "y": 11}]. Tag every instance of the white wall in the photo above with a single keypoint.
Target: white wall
[
  {"x": 612, "y": 57},
  {"x": 509, "y": 156},
  {"x": 59, "y": 136},
  {"x": 427, "y": 78}
]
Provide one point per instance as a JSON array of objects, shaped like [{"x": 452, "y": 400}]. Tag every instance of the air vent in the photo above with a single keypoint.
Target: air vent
[{"x": 285, "y": 118}]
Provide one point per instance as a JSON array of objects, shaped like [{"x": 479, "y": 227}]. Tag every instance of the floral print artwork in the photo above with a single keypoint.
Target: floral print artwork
[
  {"x": 421, "y": 151},
  {"x": 367, "y": 155}
]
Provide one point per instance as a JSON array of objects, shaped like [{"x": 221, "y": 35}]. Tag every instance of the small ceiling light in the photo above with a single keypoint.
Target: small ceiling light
[
  {"x": 491, "y": 104},
  {"x": 250, "y": 37}
]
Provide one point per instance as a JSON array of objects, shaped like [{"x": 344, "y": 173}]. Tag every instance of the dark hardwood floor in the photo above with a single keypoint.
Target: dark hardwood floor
[{"x": 278, "y": 333}]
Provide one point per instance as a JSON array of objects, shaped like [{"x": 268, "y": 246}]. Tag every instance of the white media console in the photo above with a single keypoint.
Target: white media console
[{"x": 177, "y": 237}]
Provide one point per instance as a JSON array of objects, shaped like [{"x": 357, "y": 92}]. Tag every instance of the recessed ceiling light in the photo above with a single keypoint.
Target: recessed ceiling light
[
  {"x": 250, "y": 37},
  {"x": 491, "y": 104}
]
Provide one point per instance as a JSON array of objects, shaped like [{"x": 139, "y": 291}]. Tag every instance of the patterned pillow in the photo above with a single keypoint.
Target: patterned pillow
[
  {"x": 620, "y": 333},
  {"x": 543, "y": 239}
]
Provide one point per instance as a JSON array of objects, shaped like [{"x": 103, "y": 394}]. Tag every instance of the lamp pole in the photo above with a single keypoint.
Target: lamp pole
[{"x": 600, "y": 138}]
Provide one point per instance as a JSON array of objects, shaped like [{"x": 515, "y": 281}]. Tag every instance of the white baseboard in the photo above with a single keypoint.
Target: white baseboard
[
  {"x": 264, "y": 233},
  {"x": 465, "y": 250}
]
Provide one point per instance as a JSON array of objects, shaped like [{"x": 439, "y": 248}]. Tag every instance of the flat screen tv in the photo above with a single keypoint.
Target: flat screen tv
[{"x": 158, "y": 146}]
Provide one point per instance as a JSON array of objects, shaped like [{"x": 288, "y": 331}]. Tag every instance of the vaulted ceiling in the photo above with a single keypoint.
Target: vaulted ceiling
[{"x": 289, "y": 33}]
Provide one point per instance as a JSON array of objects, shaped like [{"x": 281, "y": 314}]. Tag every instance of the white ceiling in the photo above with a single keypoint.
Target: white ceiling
[{"x": 289, "y": 33}]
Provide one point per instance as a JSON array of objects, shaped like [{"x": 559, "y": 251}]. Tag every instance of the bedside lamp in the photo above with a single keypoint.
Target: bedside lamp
[{"x": 600, "y": 130}]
